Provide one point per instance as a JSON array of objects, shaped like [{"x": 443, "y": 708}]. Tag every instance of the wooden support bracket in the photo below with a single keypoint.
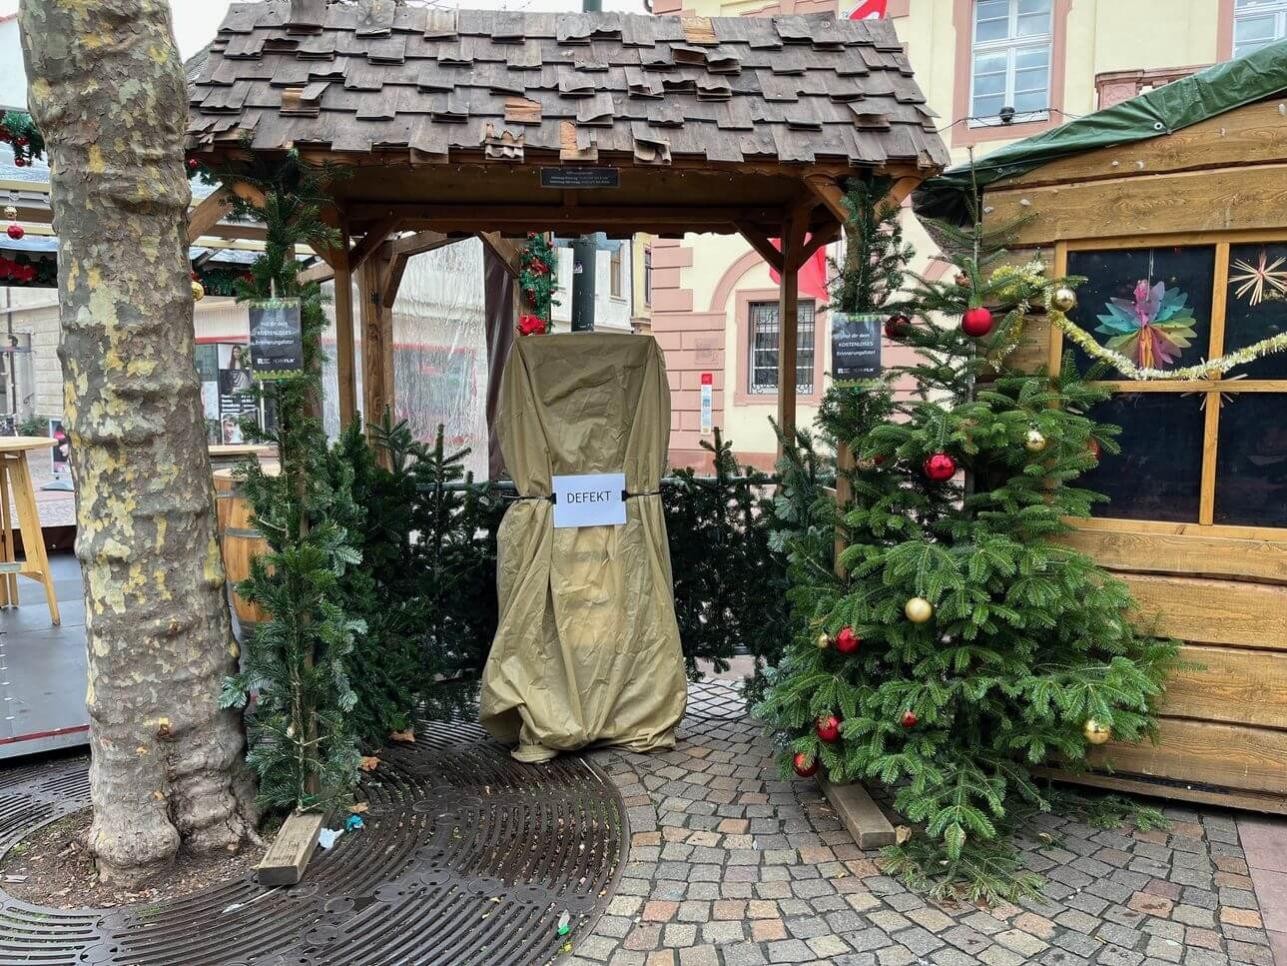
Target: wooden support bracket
[
  {"x": 284, "y": 862},
  {"x": 761, "y": 243},
  {"x": 321, "y": 272},
  {"x": 212, "y": 210},
  {"x": 506, "y": 250},
  {"x": 375, "y": 236},
  {"x": 829, "y": 192}
]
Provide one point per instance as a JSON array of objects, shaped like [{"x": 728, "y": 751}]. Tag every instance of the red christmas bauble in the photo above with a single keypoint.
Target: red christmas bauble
[
  {"x": 828, "y": 728},
  {"x": 976, "y": 322},
  {"x": 847, "y": 641},
  {"x": 803, "y": 766},
  {"x": 193, "y": 164},
  {"x": 16, "y": 231},
  {"x": 539, "y": 267},
  {"x": 22, "y": 140},
  {"x": 939, "y": 467},
  {"x": 897, "y": 326},
  {"x": 19, "y": 162},
  {"x": 909, "y": 719},
  {"x": 5, "y": 135}
]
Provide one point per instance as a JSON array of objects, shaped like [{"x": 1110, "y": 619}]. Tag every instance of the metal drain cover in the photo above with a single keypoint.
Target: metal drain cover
[{"x": 468, "y": 858}]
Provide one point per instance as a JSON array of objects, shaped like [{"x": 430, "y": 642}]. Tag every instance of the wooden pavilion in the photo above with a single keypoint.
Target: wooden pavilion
[{"x": 458, "y": 123}]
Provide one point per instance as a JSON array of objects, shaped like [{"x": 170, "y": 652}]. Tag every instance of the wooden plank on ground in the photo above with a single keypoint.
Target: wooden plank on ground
[
  {"x": 1205, "y": 753},
  {"x": 284, "y": 862},
  {"x": 1183, "y": 553},
  {"x": 859, "y": 814},
  {"x": 1249, "y": 135},
  {"x": 1250, "y": 801},
  {"x": 1230, "y": 685},
  {"x": 1207, "y": 611},
  {"x": 1197, "y": 201}
]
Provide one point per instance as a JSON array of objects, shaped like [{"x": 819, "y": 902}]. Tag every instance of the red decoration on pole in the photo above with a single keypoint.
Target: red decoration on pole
[
  {"x": 828, "y": 727},
  {"x": 804, "y": 766},
  {"x": 847, "y": 641},
  {"x": 976, "y": 322},
  {"x": 939, "y": 467}
]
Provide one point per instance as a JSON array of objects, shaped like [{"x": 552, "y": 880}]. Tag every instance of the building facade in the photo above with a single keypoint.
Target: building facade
[{"x": 995, "y": 71}]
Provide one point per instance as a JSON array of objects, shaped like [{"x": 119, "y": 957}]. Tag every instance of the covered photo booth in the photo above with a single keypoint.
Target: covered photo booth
[{"x": 587, "y": 649}]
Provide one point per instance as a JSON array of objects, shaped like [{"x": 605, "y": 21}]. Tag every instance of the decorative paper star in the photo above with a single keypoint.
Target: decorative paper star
[
  {"x": 1255, "y": 278},
  {"x": 1154, "y": 328}
]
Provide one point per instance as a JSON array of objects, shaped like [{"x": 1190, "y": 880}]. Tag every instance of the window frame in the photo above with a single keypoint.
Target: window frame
[
  {"x": 802, "y": 348},
  {"x": 616, "y": 272},
  {"x": 1278, "y": 11},
  {"x": 1212, "y": 389},
  {"x": 1010, "y": 45}
]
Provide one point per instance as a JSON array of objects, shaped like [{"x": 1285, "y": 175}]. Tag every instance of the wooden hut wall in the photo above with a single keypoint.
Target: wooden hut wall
[{"x": 1206, "y": 556}]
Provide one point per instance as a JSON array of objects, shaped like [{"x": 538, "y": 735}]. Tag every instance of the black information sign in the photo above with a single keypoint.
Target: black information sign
[
  {"x": 855, "y": 346},
  {"x": 580, "y": 178},
  {"x": 276, "y": 344}
]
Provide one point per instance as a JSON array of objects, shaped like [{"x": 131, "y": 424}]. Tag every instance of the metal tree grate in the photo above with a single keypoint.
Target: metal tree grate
[{"x": 467, "y": 858}]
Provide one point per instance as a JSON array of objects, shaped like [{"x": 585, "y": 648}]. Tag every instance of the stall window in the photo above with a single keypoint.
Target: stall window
[
  {"x": 1010, "y": 63},
  {"x": 763, "y": 366},
  {"x": 1205, "y": 451},
  {"x": 1258, "y": 23},
  {"x": 647, "y": 273}
]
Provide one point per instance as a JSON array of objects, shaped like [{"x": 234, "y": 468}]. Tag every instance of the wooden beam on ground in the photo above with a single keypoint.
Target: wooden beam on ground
[
  {"x": 372, "y": 240},
  {"x": 859, "y": 814},
  {"x": 284, "y": 862},
  {"x": 346, "y": 368},
  {"x": 761, "y": 243},
  {"x": 212, "y": 210}
]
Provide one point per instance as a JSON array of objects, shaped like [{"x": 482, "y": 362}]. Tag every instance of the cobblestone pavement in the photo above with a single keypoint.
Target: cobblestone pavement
[{"x": 730, "y": 865}]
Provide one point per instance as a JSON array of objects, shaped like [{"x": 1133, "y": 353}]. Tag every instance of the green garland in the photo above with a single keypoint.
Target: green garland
[
  {"x": 537, "y": 282},
  {"x": 21, "y": 132}
]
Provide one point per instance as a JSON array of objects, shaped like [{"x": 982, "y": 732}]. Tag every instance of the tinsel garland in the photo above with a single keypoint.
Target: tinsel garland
[
  {"x": 1032, "y": 276},
  {"x": 1203, "y": 370}
]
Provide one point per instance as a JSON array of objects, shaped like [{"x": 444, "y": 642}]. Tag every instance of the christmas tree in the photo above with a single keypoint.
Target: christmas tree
[{"x": 959, "y": 646}]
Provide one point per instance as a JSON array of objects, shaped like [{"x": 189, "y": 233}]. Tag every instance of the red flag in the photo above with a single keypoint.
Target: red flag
[
  {"x": 869, "y": 10},
  {"x": 812, "y": 277}
]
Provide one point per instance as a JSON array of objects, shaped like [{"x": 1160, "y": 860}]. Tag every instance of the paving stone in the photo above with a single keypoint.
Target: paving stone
[
  {"x": 699, "y": 956},
  {"x": 764, "y": 930},
  {"x": 1021, "y": 942},
  {"x": 789, "y": 951},
  {"x": 1117, "y": 956},
  {"x": 743, "y": 954},
  {"x": 1165, "y": 949},
  {"x": 827, "y": 946},
  {"x": 721, "y": 933}
]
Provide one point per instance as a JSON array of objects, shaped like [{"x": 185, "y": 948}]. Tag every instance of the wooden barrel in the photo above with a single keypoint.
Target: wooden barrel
[{"x": 238, "y": 539}]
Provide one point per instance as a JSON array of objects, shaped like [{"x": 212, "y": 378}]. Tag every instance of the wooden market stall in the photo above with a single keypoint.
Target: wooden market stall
[
  {"x": 1185, "y": 186},
  {"x": 456, "y": 123}
]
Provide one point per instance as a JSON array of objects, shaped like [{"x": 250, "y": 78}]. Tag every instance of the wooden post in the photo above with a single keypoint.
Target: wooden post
[
  {"x": 377, "y": 343},
  {"x": 788, "y": 317},
  {"x": 346, "y": 371}
]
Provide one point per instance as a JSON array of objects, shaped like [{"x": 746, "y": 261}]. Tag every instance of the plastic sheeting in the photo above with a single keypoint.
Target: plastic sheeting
[
  {"x": 1224, "y": 87},
  {"x": 439, "y": 352},
  {"x": 587, "y": 649}
]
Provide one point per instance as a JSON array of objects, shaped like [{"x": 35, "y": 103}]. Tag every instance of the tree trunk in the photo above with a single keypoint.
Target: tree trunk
[{"x": 107, "y": 91}]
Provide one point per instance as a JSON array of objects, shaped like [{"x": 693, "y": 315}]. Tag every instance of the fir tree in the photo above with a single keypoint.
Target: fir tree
[
  {"x": 302, "y": 742},
  {"x": 963, "y": 646}
]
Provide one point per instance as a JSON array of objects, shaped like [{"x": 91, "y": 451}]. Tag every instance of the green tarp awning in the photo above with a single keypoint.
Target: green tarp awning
[{"x": 1178, "y": 105}]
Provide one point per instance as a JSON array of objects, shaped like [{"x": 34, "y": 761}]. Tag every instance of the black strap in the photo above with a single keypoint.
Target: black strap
[{"x": 627, "y": 495}]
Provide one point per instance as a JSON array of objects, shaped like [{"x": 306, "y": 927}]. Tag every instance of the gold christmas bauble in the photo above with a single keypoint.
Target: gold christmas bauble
[
  {"x": 824, "y": 641},
  {"x": 10, "y": 212},
  {"x": 1096, "y": 732},
  {"x": 1063, "y": 298},
  {"x": 1034, "y": 442},
  {"x": 198, "y": 291},
  {"x": 918, "y": 610}
]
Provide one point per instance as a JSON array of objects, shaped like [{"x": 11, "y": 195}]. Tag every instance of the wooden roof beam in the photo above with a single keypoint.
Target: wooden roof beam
[
  {"x": 321, "y": 272},
  {"x": 375, "y": 236}
]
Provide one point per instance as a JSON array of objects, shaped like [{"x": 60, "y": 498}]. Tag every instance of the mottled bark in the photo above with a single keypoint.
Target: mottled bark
[{"x": 107, "y": 90}]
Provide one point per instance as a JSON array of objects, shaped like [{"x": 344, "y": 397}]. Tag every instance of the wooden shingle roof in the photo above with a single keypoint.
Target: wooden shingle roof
[{"x": 376, "y": 76}]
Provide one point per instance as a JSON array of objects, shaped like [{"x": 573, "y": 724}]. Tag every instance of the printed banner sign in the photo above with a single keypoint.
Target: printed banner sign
[
  {"x": 855, "y": 346},
  {"x": 276, "y": 342},
  {"x": 589, "y": 500},
  {"x": 580, "y": 178}
]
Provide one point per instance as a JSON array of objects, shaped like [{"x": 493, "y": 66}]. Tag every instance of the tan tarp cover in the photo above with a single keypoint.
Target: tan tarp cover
[{"x": 587, "y": 649}]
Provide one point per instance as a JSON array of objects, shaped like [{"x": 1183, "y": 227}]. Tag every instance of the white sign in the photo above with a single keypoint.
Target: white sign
[
  {"x": 590, "y": 500},
  {"x": 708, "y": 417}
]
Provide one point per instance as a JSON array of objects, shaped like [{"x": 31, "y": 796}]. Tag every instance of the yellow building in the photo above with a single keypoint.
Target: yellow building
[{"x": 995, "y": 71}]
